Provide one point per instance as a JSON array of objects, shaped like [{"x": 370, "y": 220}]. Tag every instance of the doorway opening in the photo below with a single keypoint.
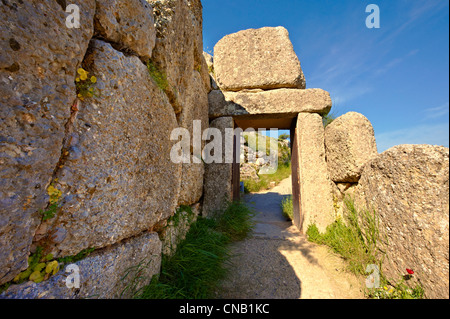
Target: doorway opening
[{"x": 251, "y": 165}]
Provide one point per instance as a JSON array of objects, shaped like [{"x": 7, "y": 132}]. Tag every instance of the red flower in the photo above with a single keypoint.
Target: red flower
[{"x": 410, "y": 271}]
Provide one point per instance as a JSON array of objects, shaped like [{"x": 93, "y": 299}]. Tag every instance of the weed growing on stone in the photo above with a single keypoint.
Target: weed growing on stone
[
  {"x": 328, "y": 119},
  {"x": 72, "y": 259},
  {"x": 396, "y": 291},
  {"x": 40, "y": 268},
  {"x": 85, "y": 84},
  {"x": 159, "y": 77}
]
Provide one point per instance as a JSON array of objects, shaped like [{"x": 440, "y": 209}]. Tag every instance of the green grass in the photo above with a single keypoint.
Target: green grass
[
  {"x": 328, "y": 118},
  {"x": 159, "y": 77},
  {"x": 200, "y": 260},
  {"x": 283, "y": 172},
  {"x": 287, "y": 208},
  {"x": 354, "y": 237}
]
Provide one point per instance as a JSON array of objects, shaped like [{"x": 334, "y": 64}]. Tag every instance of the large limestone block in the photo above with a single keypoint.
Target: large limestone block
[
  {"x": 408, "y": 187},
  {"x": 117, "y": 178},
  {"x": 104, "y": 274},
  {"x": 195, "y": 109},
  {"x": 38, "y": 63},
  {"x": 257, "y": 59},
  {"x": 350, "y": 143},
  {"x": 218, "y": 176},
  {"x": 179, "y": 45},
  {"x": 128, "y": 24},
  {"x": 278, "y": 101},
  {"x": 316, "y": 192}
]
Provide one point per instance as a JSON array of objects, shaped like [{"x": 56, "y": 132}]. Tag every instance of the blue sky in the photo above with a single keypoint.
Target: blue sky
[{"x": 397, "y": 75}]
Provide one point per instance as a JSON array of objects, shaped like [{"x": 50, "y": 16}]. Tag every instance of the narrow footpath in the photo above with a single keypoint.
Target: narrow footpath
[{"x": 277, "y": 262}]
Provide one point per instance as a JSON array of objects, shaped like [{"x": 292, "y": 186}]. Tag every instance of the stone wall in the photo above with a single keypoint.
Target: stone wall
[
  {"x": 407, "y": 187},
  {"x": 103, "y": 156}
]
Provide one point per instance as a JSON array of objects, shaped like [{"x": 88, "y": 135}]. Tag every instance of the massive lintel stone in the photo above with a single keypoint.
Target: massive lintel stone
[
  {"x": 257, "y": 59},
  {"x": 38, "y": 64},
  {"x": 128, "y": 24},
  {"x": 350, "y": 143},
  {"x": 316, "y": 199},
  {"x": 258, "y": 102},
  {"x": 116, "y": 178},
  {"x": 105, "y": 274},
  {"x": 408, "y": 187}
]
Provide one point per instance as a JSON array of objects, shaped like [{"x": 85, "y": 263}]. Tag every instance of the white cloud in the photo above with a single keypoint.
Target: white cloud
[
  {"x": 436, "y": 112},
  {"x": 434, "y": 134}
]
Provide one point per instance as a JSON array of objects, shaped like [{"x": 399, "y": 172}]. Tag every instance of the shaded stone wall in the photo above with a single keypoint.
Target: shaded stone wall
[{"x": 104, "y": 154}]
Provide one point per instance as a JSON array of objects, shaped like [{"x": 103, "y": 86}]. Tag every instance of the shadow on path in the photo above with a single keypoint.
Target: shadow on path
[
  {"x": 277, "y": 262},
  {"x": 258, "y": 268}
]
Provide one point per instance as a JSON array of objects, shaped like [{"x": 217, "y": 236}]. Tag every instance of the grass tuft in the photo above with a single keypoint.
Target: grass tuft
[
  {"x": 283, "y": 172},
  {"x": 357, "y": 239},
  {"x": 354, "y": 237},
  {"x": 287, "y": 208},
  {"x": 158, "y": 76},
  {"x": 200, "y": 260}
]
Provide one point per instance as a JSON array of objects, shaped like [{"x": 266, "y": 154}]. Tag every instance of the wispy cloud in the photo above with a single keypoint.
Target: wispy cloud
[
  {"x": 355, "y": 58},
  {"x": 413, "y": 11},
  {"x": 434, "y": 134},
  {"x": 436, "y": 112}
]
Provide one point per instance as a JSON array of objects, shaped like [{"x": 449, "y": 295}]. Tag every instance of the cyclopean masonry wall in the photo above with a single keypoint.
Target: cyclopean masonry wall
[{"x": 108, "y": 155}]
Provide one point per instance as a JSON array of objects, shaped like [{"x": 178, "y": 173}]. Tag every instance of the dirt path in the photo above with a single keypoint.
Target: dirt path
[{"x": 277, "y": 262}]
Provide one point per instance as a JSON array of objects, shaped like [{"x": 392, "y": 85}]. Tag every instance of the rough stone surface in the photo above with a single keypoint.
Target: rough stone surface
[
  {"x": 176, "y": 229},
  {"x": 117, "y": 178},
  {"x": 101, "y": 273},
  {"x": 249, "y": 171},
  {"x": 350, "y": 143},
  {"x": 257, "y": 59},
  {"x": 408, "y": 186},
  {"x": 191, "y": 183},
  {"x": 209, "y": 61},
  {"x": 38, "y": 63},
  {"x": 128, "y": 24},
  {"x": 258, "y": 102},
  {"x": 179, "y": 45},
  {"x": 195, "y": 109},
  {"x": 217, "y": 185},
  {"x": 315, "y": 185}
]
